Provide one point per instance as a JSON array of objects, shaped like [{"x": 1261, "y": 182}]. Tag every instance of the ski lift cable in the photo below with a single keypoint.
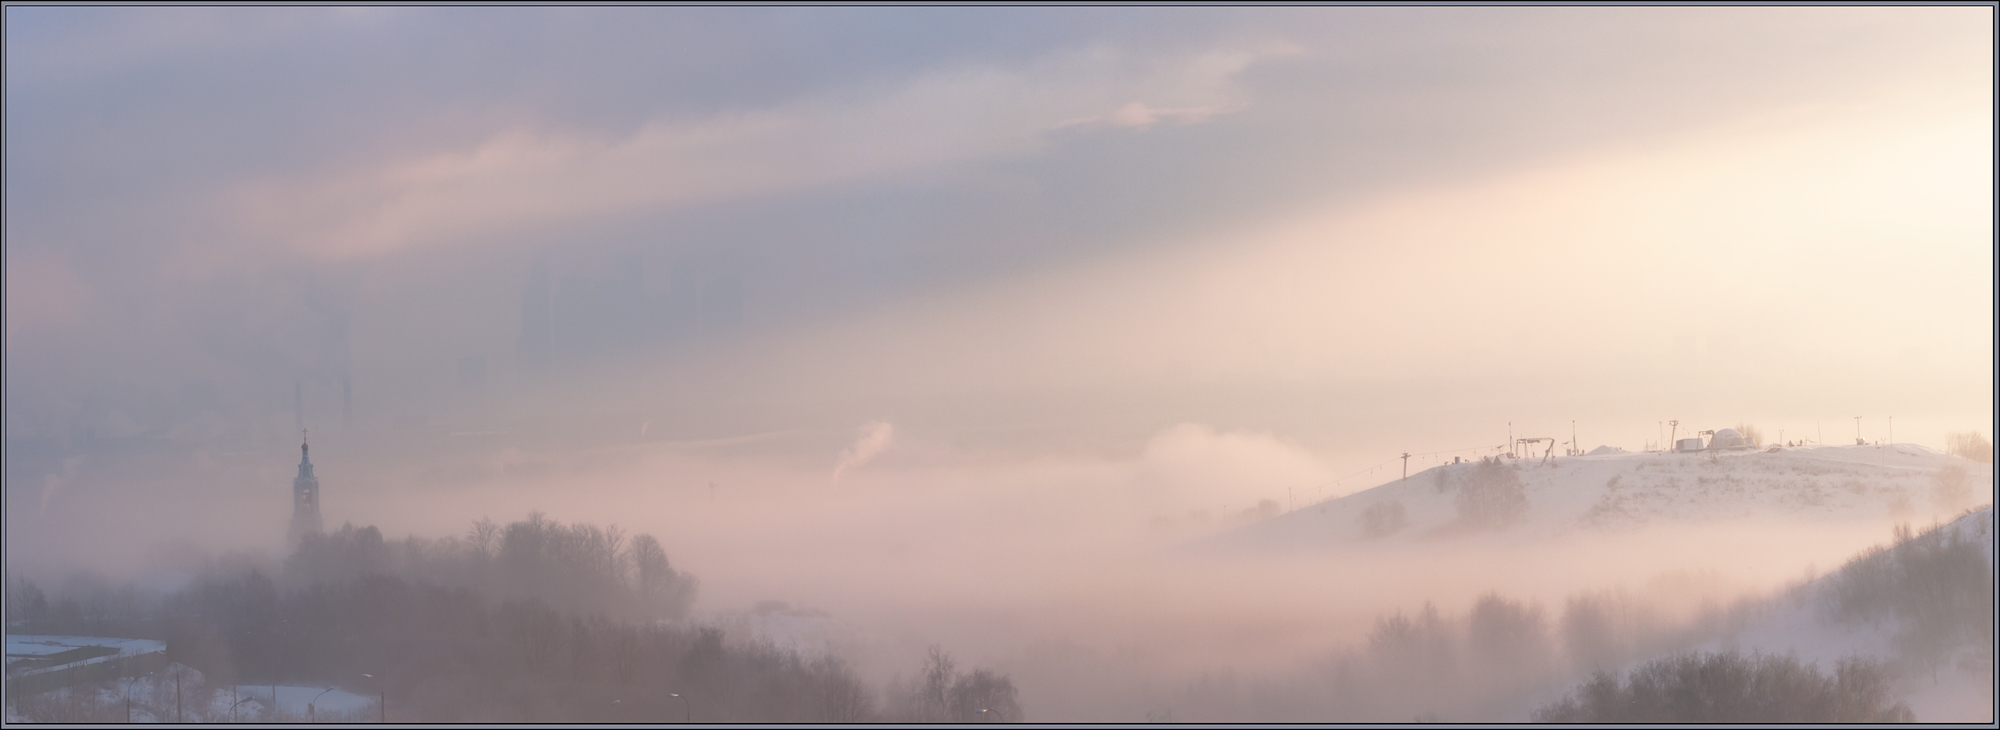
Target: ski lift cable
[{"x": 1337, "y": 482}]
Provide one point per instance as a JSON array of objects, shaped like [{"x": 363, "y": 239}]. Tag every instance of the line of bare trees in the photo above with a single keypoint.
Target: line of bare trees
[
  {"x": 578, "y": 567},
  {"x": 1969, "y": 445},
  {"x": 1934, "y": 588},
  {"x": 531, "y": 622},
  {"x": 942, "y": 693},
  {"x": 1733, "y": 688},
  {"x": 1492, "y": 662}
]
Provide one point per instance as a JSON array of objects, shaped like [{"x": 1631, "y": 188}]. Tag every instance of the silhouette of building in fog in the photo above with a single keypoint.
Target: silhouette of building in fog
[{"x": 305, "y": 497}]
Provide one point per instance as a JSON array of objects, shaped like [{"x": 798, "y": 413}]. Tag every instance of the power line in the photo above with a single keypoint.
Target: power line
[{"x": 1405, "y": 459}]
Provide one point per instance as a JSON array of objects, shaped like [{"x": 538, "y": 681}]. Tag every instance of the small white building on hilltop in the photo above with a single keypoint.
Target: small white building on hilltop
[{"x": 1728, "y": 438}]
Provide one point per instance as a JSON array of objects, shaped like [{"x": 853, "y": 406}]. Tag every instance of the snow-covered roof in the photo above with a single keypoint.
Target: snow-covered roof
[
  {"x": 31, "y": 654},
  {"x": 24, "y": 645}
]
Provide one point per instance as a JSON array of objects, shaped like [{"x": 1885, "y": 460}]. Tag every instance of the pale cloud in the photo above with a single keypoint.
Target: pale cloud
[
  {"x": 79, "y": 43},
  {"x": 1076, "y": 227},
  {"x": 1201, "y": 83},
  {"x": 1137, "y": 114},
  {"x": 524, "y": 177},
  {"x": 1582, "y": 271},
  {"x": 43, "y": 293},
  {"x": 876, "y": 438},
  {"x": 1194, "y": 466}
]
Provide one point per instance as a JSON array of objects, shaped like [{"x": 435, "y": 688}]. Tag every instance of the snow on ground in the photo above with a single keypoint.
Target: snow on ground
[
  {"x": 292, "y": 701},
  {"x": 1797, "y": 624},
  {"x": 1605, "y": 493},
  {"x": 157, "y": 697},
  {"x": 1621, "y": 490},
  {"x": 151, "y": 697}
]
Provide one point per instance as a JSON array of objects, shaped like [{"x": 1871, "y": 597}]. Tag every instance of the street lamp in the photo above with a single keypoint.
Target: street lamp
[
  {"x": 987, "y": 715},
  {"x": 232, "y": 707},
  {"x": 309, "y": 704},
  {"x": 128, "y": 695},
  {"x": 687, "y": 713},
  {"x": 381, "y": 699}
]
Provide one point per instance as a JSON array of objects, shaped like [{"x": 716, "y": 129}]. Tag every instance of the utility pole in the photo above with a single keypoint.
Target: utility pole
[
  {"x": 1575, "y": 449},
  {"x": 1510, "y": 439},
  {"x": 1406, "y": 465},
  {"x": 1857, "y": 431}
]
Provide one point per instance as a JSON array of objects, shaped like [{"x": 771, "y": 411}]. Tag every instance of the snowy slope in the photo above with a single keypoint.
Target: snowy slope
[
  {"x": 1610, "y": 491},
  {"x": 1799, "y": 624}
]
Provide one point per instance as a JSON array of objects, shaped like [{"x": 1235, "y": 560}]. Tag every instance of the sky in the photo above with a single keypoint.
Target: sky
[{"x": 1271, "y": 248}]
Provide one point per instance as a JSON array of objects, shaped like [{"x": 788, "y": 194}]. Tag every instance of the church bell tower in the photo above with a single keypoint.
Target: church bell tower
[{"x": 305, "y": 496}]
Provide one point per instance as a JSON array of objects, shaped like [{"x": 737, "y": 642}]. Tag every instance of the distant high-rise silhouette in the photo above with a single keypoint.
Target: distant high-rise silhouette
[{"x": 305, "y": 497}]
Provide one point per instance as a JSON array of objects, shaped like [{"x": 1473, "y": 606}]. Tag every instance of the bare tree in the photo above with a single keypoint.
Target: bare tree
[
  {"x": 842, "y": 696},
  {"x": 483, "y": 536},
  {"x": 1951, "y": 488},
  {"x": 536, "y": 629},
  {"x": 1383, "y": 518},
  {"x": 933, "y": 693},
  {"x": 981, "y": 693},
  {"x": 658, "y": 586},
  {"x": 1492, "y": 497},
  {"x": 625, "y": 647},
  {"x": 1730, "y": 687},
  {"x": 1969, "y": 445}
]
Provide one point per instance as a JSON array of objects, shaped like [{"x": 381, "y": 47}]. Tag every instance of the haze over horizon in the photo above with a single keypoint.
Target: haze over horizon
[{"x": 771, "y": 282}]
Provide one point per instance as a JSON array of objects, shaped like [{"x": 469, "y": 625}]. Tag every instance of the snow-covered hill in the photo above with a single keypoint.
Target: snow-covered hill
[
  {"x": 1610, "y": 491},
  {"x": 1947, "y": 676}
]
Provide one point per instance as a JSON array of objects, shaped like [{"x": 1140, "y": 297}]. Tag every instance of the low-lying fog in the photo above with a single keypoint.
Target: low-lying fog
[
  {"x": 973, "y": 327},
  {"x": 1077, "y": 572}
]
